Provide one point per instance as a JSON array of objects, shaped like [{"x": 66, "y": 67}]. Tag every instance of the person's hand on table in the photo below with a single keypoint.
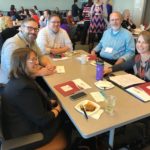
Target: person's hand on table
[
  {"x": 51, "y": 67},
  {"x": 93, "y": 53},
  {"x": 107, "y": 70},
  {"x": 44, "y": 71}
]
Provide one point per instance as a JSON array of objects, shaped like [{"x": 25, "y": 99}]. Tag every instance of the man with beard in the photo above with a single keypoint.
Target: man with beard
[
  {"x": 25, "y": 38},
  {"x": 117, "y": 44}
]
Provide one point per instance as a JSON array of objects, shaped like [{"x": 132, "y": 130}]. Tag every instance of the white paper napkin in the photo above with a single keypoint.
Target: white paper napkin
[
  {"x": 60, "y": 69},
  {"x": 97, "y": 114},
  {"x": 98, "y": 97}
]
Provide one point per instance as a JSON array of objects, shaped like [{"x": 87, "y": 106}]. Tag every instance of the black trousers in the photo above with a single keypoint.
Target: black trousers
[{"x": 84, "y": 32}]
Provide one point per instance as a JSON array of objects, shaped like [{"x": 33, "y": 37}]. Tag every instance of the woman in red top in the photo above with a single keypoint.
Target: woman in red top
[{"x": 34, "y": 15}]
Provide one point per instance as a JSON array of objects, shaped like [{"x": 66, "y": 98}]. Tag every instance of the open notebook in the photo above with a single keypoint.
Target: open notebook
[{"x": 126, "y": 80}]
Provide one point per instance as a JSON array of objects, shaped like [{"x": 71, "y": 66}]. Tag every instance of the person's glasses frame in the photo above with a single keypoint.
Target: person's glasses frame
[
  {"x": 33, "y": 60},
  {"x": 31, "y": 28}
]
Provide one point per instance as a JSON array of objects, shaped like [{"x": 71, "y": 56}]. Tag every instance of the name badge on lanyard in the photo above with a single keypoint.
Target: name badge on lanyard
[{"x": 108, "y": 50}]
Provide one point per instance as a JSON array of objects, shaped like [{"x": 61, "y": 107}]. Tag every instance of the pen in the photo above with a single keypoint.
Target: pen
[{"x": 83, "y": 109}]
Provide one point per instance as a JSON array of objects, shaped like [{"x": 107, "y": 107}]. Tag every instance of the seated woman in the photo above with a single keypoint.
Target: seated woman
[
  {"x": 127, "y": 23},
  {"x": 9, "y": 30},
  {"x": 141, "y": 62},
  {"x": 26, "y": 109}
]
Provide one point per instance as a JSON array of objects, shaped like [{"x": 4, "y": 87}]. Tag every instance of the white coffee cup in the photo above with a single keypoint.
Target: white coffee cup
[{"x": 83, "y": 59}]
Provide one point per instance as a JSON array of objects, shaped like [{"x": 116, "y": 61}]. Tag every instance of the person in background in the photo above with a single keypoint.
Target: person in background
[
  {"x": 86, "y": 18},
  {"x": 127, "y": 23},
  {"x": 44, "y": 19},
  {"x": 140, "y": 63},
  {"x": 1, "y": 14},
  {"x": 27, "y": 15},
  {"x": 25, "y": 38},
  {"x": 9, "y": 30},
  {"x": 117, "y": 44},
  {"x": 109, "y": 8},
  {"x": 22, "y": 13},
  {"x": 64, "y": 25},
  {"x": 97, "y": 23},
  {"x": 36, "y": 10},
  {"x": 26, "y": 109},
  {"x": 69, "y": 18},
  {"x": 52, "y": 39},
  {"x": 13, "y": 13},
  {"x": 75, "y": 11},
  {"x": 34, "y": 15}
]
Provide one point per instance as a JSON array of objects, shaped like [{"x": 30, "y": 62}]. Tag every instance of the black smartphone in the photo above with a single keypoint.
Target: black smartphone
[{"x": 78, "y": 95}]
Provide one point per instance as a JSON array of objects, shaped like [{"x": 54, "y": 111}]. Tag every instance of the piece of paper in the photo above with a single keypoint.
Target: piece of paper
[
  {"x": 81, "y": 84},
  {"x": 97, "y": 114},
  {"x": 126, "y": 80},
  {"x": 66, "y": 88},
  {"x": 98, "y": 97},
  {"x": 60, "y": 69},
  {"x": 57, "y": 59}
]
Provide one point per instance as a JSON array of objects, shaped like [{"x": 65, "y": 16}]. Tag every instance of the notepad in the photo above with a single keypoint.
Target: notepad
[{"x": 126, "y": 80}]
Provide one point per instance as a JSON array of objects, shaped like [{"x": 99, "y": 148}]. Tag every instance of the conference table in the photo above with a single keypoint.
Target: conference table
[{"x": 127, "y": 110}]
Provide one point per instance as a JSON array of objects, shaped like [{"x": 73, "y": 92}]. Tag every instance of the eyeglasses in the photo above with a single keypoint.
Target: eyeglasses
[
  {"x": 31, "y": 28},
  {"x": 55, "y": 22},
  {"x": 33, "y": 60}
]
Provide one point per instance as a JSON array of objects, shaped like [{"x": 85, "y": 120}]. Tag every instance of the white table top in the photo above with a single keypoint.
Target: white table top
[{"x": 128, "y": 109}]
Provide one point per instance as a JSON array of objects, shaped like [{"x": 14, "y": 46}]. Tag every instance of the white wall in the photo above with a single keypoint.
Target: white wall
[
  {"x": 136, "y": 8},
  {"x": 41, "y": 4}
]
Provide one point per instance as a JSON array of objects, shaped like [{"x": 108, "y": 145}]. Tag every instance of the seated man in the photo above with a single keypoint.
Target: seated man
[
  {"x": 117, "y": 44},
  {"x": 25, "y": 38},
  {"x": 53, "y": 39}
]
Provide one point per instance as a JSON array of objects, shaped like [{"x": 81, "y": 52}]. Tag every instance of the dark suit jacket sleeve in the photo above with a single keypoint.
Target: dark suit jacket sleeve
[
  {"x": 124, "y": 66},
  {"x": 29, "y": 101}
]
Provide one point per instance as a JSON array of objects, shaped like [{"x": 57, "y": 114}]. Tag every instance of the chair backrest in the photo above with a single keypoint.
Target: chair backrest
[{"x": 1, "y": 133}]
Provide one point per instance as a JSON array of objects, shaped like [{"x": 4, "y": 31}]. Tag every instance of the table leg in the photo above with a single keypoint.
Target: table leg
[{"x": 111, "y": 137}]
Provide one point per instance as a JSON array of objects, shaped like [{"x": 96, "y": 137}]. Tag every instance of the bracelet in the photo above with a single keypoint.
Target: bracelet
[{"x": 57, "y": 110}]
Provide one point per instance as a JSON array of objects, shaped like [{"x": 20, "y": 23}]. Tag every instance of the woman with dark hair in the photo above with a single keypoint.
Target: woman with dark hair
[
  {"x": 141, "y": 62},
  {"x": 13, "y": 13},
  {"x": 44, "y": 18},
  {"x": 26, "y": 13},
  {"x": 26, "y": 108},
  {"x": 34, "y": 15}
]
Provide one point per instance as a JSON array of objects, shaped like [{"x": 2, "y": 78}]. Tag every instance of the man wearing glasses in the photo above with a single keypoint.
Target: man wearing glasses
[
  {"x": 52, "y": 39},
  {"x": 25, "y": 38}
]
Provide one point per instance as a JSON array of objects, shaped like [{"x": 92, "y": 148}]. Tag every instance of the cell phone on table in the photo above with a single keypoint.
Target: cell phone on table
[{"x": 78, "y": 95}]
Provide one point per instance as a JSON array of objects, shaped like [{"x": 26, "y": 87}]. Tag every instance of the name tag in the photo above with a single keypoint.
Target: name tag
[{"x": 108, "y": 50}]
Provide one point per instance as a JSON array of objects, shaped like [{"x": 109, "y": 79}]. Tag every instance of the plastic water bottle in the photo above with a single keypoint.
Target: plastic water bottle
[{"x": 99, "y": 69}]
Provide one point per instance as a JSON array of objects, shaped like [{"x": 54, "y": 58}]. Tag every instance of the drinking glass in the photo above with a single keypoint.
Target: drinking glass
[{"x": 110, "y": 104}]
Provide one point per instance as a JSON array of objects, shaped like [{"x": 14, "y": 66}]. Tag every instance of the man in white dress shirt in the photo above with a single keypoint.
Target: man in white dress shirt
[{"x": 52, "y": 39}]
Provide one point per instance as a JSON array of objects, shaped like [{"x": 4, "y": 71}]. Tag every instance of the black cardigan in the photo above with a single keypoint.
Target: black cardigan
[{"x": 25, "y": 109}]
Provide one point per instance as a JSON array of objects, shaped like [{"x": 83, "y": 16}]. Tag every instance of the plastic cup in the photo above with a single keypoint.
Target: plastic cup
[{"x": 110, "y": 104}]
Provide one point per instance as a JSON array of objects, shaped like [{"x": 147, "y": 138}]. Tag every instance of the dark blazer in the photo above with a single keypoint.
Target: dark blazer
[
  {"x": 125, "y": 24},
  {"x": 26, "y": 110}
]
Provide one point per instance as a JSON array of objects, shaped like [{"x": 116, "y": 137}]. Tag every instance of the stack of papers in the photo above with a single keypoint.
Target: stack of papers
[{"x": 141, "y": 91}]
